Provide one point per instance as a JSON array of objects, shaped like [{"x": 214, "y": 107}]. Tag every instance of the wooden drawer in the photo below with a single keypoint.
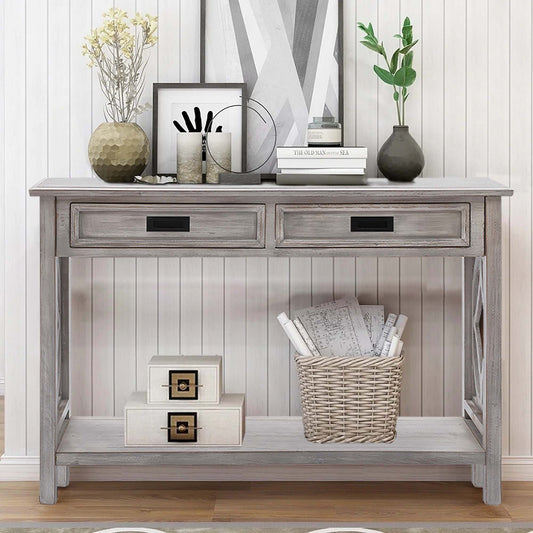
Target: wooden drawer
[
  {"x": 199, "y": 375},
  {"x": 373, "y": 225},
  {"x": 217, "y": 425},
  {"x": 167, "y": 225}
]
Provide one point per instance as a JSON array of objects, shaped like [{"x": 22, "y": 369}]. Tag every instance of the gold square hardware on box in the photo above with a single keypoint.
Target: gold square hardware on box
[
  {"x": 192, "y": 424},
  {"x": 182, "y": 427},
  {"x": 178, "y": 378}
]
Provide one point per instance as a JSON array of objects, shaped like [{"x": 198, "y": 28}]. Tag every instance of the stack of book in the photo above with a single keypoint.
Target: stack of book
[
  {"x": 344, "y": 328},
  {"x": 326, "y": 165}
]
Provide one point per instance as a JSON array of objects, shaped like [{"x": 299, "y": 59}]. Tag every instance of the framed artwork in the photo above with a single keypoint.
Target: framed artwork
[
  {"x": 288, "y": 52},
  {"x": 198, "y": 108}
]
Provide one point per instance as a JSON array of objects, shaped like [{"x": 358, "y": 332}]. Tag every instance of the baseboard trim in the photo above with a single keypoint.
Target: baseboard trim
[
  {"x": 19, "y": 468},
  {"x": 2, "y": 386},
  {"x": 517, "y": 468},
  {"x": 25, "y": 468}
]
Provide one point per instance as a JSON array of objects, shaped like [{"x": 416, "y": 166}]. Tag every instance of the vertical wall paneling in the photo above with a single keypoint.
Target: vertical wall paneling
[
  {"x": 81, "y": 91},
  {"x": 453, "y": 334},
  {"x": 366, "y": 132},
  {"x": 191, "y": 305},
  {"x": 213, "y": 306},
  {"x": 366, "y": 104},
  {"x": 168, "y": 310},
  {"x": 168, "y": 57},
  {"x": 411, "y": 268},
  {"x": 477, "y": 40},
  {"x": 470, "y": 109},
  {"x": 2, "y": 199},
  {"x": 235, "y": 324},
  {"x": 388, "y": 24},
  {"x": 99, "y": 7},
  {"x": 366, "y": 279},
  {"x": 81, "y": 335},
  {"x": 146, "y": 317},
  {"x": 343, "y": 277},
  {"x": 15, "y": 228},
  {"x": 103, "y": 337},
  {"x": 300, "y": 298},
  {"x": 411, "y": 305},
  {"x": 520, "y": 239},
  {"x": 432, "y": 336},
  {"x": 498, "y": 165},
  {"x": 125, "y": 332},
  {"x": 432, "y": 74},
  {"x": 350, "y": 54},
  {"x": 145, "y": 119},
  {"x": 169, "y": 61},
  {"x": 257, "y": 328},
  {"x": 189, "y": 41},
  {"x": 279, "y": 351},
  {"x": 321, "y": 280},
  {"x": 102, "y": 314},
  {"x": 36, "y": 168},
  {"x": 454, "y": 136}
]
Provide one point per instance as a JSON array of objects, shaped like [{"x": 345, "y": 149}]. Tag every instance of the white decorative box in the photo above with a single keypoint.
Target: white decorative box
[
  {"x": 186, "y": 424},
  {"x": 184, "y": 378}
]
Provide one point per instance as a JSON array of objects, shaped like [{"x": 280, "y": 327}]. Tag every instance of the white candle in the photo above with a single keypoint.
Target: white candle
[
  {"x": 189, "y": 157},
  {"x": 218, "y": 155}
]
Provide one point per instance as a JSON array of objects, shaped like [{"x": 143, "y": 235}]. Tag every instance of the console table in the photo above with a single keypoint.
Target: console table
[{"x": 430, "y": 217}]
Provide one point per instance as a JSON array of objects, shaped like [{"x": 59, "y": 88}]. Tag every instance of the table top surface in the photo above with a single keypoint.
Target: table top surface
[{"x": 376, "y": 186}]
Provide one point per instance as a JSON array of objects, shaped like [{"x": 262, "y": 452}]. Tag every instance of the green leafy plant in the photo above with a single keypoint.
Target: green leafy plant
[{"x": 399, "y": 72}]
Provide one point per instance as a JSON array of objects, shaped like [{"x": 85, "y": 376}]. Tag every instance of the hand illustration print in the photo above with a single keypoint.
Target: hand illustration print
[{"x": 197, "y": 127}]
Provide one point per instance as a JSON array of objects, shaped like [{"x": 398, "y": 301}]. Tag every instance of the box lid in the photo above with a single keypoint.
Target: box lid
[
  {"x": 189, "y": 360},
  {"x": 137, "y": 400}
]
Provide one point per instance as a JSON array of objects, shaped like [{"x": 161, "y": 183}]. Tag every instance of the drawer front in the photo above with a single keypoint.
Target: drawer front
[
  {"x": 178, "y": 384},
  {"x": 167, "y": 225},
  {"x": 217, "y": 427},
  {"x": 373, "y": 225}
]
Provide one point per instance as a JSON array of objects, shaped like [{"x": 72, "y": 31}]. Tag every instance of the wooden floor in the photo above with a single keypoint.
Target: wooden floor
[{"x": 263, "y": 502}]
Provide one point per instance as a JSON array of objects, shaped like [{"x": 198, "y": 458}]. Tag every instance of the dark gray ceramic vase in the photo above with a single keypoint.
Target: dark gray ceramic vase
[{"x": 400, "y": 158}]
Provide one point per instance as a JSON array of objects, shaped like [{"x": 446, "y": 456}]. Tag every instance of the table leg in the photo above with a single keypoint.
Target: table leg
[
  {"x": 492, "y": 349},
  {"x": 63, "y": 476},
  {"x": 49, "y": 354}
]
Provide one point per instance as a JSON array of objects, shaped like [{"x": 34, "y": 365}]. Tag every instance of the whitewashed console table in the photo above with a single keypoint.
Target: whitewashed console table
[{"x": 430, "y": 217}]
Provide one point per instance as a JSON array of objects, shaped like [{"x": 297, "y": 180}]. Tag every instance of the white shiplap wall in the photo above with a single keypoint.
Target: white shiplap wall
[{"x": 471, "y": 111}]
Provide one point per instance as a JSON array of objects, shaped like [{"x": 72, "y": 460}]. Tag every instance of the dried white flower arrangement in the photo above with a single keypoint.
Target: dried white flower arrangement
[{"x": 117, "y": 49}]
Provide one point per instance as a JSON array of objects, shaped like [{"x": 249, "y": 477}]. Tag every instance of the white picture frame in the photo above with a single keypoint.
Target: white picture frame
[{"x": 172, "y": 99}]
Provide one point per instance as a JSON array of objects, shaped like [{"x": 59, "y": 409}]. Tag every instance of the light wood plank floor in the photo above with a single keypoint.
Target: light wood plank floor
[{"x": 263, "y": 502}]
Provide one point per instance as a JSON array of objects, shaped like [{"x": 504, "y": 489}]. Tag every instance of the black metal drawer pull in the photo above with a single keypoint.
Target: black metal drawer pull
[
  {"x": 168, "y": 223},
  {"x": 376, "y": 224}
]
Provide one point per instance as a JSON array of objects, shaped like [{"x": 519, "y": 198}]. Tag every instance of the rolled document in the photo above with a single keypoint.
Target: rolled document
[
  {"x": 401, "y": 321},
  {"x": 393, "y": 346},
  {"x": 305, "y": 336},
  {"x": 293, "y": 334},
  {"x": 389, "y": 323},
  {"x": 399, "y": 349}
]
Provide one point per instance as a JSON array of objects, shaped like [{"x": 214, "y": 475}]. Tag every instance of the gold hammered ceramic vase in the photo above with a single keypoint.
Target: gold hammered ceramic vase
[{"x": 118, "y": 151}]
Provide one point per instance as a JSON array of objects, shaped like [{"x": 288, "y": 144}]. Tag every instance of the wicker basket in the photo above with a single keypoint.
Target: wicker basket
[{"x": 350, "y": 399}]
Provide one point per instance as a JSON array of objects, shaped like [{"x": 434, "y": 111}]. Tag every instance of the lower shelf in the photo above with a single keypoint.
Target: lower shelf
[{"x": 269, "y": 440}]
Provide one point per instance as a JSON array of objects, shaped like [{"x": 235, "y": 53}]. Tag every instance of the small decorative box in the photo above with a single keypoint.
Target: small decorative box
[
  {"x": 196, "y": 378},
  {"x": 187, "y": 424}
]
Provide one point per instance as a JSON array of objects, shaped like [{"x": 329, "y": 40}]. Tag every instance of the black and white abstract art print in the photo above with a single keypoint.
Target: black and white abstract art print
[{"x": 288, "y": 52}]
